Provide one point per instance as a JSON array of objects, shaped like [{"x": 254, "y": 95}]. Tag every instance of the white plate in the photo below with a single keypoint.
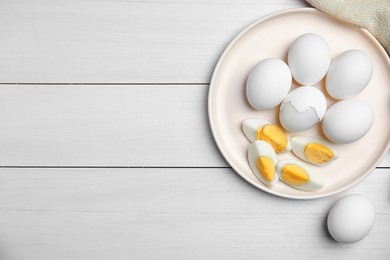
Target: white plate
[{"x": 271, "y": 37}]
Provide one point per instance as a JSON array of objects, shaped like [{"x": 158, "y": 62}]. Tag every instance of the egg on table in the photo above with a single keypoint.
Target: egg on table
[
  {"x": 302, "y": 108},
  {"x": 298, "y": 175},
  {"x": 351, "y": 218},
  {"x": 309, "y": 58},
  {"x": 347, "y": 121},
  {"x": 349, "y": 74},
  {"x": 260, "y": 129},
  {"x": 263, "y": 160},
  {"x": 268, "y": 84},
  {"x": 313, "y": 150}
]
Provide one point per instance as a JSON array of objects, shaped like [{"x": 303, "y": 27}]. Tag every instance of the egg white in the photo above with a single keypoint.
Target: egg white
[
  {"x": 315, "y": 181},
  {"x": 261, "y": 148},
  {"x": 250, "y": 126},
  {"x": 298, "y": 144}
]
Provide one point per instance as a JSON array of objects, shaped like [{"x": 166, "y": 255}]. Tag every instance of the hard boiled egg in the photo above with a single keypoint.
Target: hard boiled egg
[
  {"x": 347, "y": 121},
  {"x": 268, "y": 84},
  {"x": 313, "y": 150},
  {"x": 349, "y": 74},
  {"x": 351, "y": 218},
  {"x": 260, "y": 129},
  {"x": 262, "y": 160},
  {"x": 302, "y": 108},
  {"x": 298, "y": 175},
  {"x": 309, "y": 58}
]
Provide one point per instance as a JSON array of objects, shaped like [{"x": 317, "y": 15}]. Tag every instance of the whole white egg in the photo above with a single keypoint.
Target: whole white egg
[
  {"x": 347, "y": 121},
  {"x": 309, "y": 58},
  {"x": 302, "y": 108},
  {"x": 351, "y": 218},
  {"x": 268, "y": 84},
  {"x": 349, "y": 74}
]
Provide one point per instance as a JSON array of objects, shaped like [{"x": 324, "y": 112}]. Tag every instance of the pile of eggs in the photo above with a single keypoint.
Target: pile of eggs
[{"x": 268, "y": 86}]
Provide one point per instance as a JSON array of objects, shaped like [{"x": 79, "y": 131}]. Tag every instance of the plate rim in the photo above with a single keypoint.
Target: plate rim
[{"x": 211, "y": 118}]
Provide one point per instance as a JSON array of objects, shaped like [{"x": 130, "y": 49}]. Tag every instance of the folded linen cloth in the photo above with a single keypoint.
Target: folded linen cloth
[{"x": 373, "y": 15}]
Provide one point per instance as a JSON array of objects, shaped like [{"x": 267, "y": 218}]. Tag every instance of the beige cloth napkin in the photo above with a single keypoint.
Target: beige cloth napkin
[{"x": 373, "y": 15}]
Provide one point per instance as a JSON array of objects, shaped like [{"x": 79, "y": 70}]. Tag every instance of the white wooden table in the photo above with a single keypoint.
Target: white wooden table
[{"x": 105, "y": 147}]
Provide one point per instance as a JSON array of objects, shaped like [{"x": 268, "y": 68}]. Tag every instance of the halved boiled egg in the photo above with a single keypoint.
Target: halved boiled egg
[
  {"x": 260, "y": 129},
  {"x": 298, "y": 175},
  {"x": 313, "y": 150},
  {"x": 263, "y": 160}
]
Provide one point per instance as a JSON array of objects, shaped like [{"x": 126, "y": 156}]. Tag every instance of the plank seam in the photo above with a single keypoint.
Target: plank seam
[
  {"x": 109, "y": 83},
  {"x": 127, "y": 167},
  {"x": 115, "y": 167}
]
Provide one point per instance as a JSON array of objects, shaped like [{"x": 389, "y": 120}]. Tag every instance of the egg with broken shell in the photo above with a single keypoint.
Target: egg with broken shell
[
  {"x": 298, "y": 175},
  {"x": 261, "y": 129},
  {"x": 313, "y": 150},
  {"x": 263, "y": 160},
  {"x": 303, "y": 108}
]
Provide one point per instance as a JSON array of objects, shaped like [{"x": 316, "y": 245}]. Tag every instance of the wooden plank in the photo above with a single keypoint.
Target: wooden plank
[
  {"x": 171, "y": 213},
  {"x": 121, "y": 41},
  {"x": 107, "y": 126}
]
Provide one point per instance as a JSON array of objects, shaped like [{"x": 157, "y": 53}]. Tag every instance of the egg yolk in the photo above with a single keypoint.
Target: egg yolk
[
  {"x": 294, "y": 175},
  {"x": 274, "y": 135},
  {"x": 317, "y": 153},
  {"x": 266, "y": 167}
]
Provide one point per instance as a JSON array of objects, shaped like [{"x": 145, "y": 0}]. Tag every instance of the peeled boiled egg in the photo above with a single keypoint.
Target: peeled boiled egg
[
  {"x": 349, "y": 74},
  {"x": 268, "y": 84},
  {"x": 298, "y": 175},
  {"x": 262, "y": 160},
  {"x": 309, "y": 58},
  {"x": 313, "y": 150},
  {"x": 347, "y": 121},
  {"x": 260, "y": 129},
  {"x": 302, "y": 108},
  {"x": 351, "y": 218}
]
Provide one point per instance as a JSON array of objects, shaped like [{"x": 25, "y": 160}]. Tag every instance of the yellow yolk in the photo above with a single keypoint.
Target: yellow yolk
[
  {"x": 294, "y": 175},
  {"x": 317, "y": 153},
  {"x": 274, "y": 135},
  {"x": 266, "y": 167}
]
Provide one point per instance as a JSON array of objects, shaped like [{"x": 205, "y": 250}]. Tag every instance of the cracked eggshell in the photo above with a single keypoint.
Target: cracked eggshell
[{"x": 302, "y": 109}]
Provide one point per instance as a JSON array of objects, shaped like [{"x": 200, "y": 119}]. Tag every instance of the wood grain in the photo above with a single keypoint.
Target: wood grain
[
  {"x": 139, "y": 213},
  {"x": 121, "y": 41},
  {"x": 171, "y": 214},
  {"x": 106, "y": 126},
  {"x": 101, "y": 125}
]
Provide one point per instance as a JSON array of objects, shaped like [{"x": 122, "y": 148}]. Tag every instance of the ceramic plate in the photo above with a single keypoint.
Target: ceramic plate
[{"x": 271, "y": 37}]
